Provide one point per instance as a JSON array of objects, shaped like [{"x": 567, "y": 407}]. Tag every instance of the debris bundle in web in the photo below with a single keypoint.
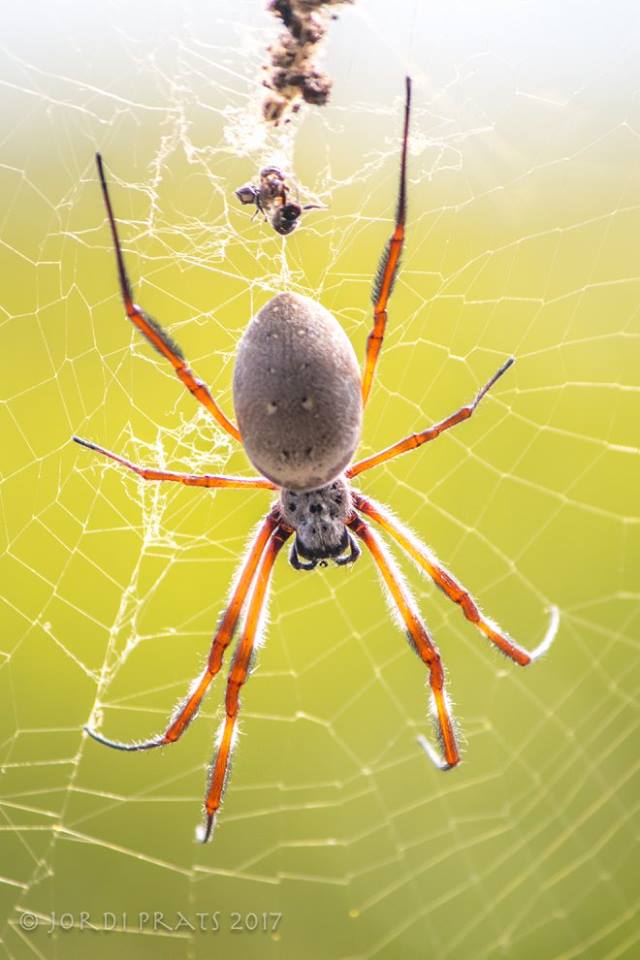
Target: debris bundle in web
[{"x": 292, "y": 74}]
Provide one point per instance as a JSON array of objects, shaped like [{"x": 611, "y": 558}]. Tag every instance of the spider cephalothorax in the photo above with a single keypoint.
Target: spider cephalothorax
[
  {"x": 319, "y": 519},
  {"x": 299, "y": 398}
]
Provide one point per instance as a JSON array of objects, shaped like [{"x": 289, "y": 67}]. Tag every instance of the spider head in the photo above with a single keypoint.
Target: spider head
[
  {"x": 318, "y": 518},
  {"x": 304, "y": 557}
]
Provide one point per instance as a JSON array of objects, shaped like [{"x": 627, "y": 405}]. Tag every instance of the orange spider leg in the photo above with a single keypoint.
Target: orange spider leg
[
  {"x": 152, "y": 330},
  {"x": 417, "y": 439},
  {"x": 419, "y": 639},
  {"x": 238, "y": 675},
  {"x": 454, "y": 590},
  {"x": 189, "y": 479},
  {"x": 388, "y": 268},
  {"x": 222, "y": 639}
]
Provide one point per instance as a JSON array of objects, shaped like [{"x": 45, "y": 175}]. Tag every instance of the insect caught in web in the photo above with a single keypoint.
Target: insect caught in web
[
  {"x": 299, "y": 398},
  {"x": 271, "y": 198}
]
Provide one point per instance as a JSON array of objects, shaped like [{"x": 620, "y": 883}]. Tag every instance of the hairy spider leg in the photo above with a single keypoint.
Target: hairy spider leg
[
  {"x": 189, "y": 479},
  {"x": 238, "y": 674},
  {"x": 221, "y": 640},
  {"x": 417, "y": 439},
  {"x": 389, "y": 262},
  {"x": 152, "y": 330},
  {"x": 419, "y": 639},
  {"x": 427, "y": 562}
]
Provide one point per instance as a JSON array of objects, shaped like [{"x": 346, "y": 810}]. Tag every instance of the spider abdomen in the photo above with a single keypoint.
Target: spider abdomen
[{"x": 297, "y": 393}]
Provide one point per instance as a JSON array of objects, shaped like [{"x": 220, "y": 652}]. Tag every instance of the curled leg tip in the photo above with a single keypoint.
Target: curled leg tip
[
  {"x": 550, "y": 635},
  {"x": 204, "y": 831},
  {"x": 433, "y": 754},
  {"x": 104, "y": 740},
  {"x": 92, "y": 733},
  {"x": 118, "y": 745}
]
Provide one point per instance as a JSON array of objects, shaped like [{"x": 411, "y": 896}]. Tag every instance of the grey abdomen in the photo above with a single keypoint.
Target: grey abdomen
[{"x": 297, "y": 393}]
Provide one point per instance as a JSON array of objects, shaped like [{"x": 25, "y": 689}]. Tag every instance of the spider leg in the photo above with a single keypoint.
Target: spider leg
[
  {"x": 426, "y": 561},
  {"x": 221, "y": 640},
  {"x": 238, "y": 675},
  {"x": 189, "y": 479},
  {"x": 152, "y": 330},
  {"x": 389, "y": 262},
  {"x": 417, "y": 439},
  {"x": 419, "y": 639}
]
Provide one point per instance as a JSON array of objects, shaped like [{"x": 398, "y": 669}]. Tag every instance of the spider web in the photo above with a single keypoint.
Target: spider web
[{"x": 524, "y": 214}]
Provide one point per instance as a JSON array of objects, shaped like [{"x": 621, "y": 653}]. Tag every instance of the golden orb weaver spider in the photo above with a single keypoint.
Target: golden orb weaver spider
[{"x": 299, "y": 397}]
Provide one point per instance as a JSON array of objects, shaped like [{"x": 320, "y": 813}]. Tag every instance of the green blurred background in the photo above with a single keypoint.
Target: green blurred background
[{"x": 524, "y": 219}]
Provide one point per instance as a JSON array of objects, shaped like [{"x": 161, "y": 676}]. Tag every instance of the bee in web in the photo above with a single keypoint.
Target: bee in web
[
  {"x": 271, "y": 198},
  {"x": 299, "y": 398}
]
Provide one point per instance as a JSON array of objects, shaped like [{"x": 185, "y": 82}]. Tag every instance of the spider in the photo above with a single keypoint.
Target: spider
[
  {"x": 271, "y": 199},
  {"x": 299, "y": 397}
]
